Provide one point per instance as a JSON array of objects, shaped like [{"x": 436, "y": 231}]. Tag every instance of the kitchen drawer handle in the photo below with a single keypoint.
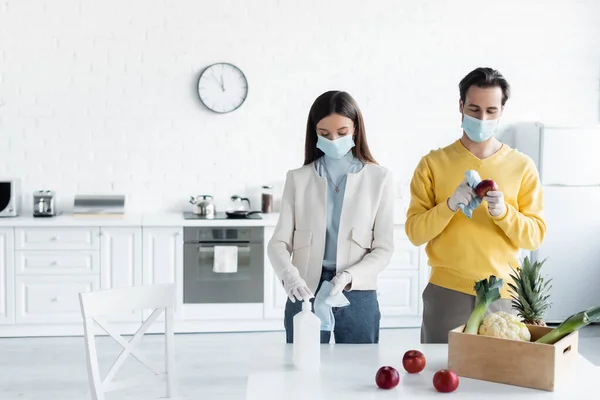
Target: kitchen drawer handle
[
  {"x": 56, "y": 299},
  {"x": 56, "y": 263},
  {"x": 55, "y": 238}
]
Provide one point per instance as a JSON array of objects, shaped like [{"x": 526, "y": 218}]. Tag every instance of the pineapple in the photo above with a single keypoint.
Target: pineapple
[{"x": 529, "y": 292}]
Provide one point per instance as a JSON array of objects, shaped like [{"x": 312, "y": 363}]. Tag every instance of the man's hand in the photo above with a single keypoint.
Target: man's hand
[
  {"x": 496, "y": 204},
  {"x": 462, "y": 195}
]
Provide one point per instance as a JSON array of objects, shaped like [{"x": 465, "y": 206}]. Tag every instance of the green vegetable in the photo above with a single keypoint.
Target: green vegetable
[
  {"x": 571, "y": 324},
  {"x": 488, "y": 291}
]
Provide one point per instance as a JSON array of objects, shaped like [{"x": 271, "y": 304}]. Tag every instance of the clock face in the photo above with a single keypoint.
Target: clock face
[{"x": 222, "y": 87}]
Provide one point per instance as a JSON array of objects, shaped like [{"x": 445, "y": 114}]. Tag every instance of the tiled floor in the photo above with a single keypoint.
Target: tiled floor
[{"x": 54, "y": 368}]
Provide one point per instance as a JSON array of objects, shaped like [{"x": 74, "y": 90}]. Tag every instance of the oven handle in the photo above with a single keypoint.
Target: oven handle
[{"x": 211, "y": 248}]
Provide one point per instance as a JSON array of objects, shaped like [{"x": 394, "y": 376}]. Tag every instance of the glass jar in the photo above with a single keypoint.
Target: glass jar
[{"x": 267, "y": 199}]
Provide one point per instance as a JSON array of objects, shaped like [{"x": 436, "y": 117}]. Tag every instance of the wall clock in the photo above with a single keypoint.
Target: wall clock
[{"x": 222, "y": 87}]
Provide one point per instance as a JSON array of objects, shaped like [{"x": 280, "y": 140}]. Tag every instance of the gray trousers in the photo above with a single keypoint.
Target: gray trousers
[{"x": 445, "y": 309}]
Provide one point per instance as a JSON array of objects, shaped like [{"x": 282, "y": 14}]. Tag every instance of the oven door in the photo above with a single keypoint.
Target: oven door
[{"x": 203, "y": 285}]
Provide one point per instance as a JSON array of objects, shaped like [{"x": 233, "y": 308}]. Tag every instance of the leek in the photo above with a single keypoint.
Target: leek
[
  {"x": 488, "y": 291},
  {"x": 571, "y": 324}
]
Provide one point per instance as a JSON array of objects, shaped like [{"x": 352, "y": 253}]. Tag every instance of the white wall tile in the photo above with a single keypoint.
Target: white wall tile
[{"x": 101, "y": 96}]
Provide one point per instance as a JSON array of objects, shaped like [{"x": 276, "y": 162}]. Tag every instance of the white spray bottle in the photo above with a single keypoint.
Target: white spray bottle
[{"x": 307, "y": 339}]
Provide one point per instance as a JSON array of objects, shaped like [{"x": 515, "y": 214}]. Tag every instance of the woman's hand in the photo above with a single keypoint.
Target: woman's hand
[{"x": 339, "y": 282}]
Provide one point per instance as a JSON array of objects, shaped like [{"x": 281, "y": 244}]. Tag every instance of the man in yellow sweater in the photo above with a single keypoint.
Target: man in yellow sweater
[{"x": 463, "y": 250}]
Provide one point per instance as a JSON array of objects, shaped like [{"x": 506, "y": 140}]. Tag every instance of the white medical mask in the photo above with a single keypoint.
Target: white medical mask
[
  {"x": 335, "y": 148},
  {"x": 478, "y": 130}
]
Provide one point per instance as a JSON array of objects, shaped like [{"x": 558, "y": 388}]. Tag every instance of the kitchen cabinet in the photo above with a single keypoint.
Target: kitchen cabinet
[
  {"x": 163, "y": 261},
  {"x": 275, "y": 296},
  {"x": 406, "y": 255},
  {"x": 57, "y": 262},
  {"x": 7, "y": 277},
  {"x": 121, "y": 263},
  {"x": 45, "y": 264},
  {"x": 51, "y": 299},
  {"x": 52, "y": 238},
  {"x": 121, "y": 257},
  {"x": 53, "y": 264},
  {"x": 398, "y": 293}
]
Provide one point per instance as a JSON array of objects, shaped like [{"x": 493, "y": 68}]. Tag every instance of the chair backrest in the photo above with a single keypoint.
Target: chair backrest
[
  {"x": 113, "y": 301},
  {"x": 94, "y": 305}
]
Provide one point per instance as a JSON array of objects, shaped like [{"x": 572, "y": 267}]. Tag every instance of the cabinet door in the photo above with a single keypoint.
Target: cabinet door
[
  {"x": 399, "y": 293},
  {"x": 51, "y": 299},
  {"x": 163, "y": 261},
  {"x": 121, "y": 263},
  {"x": 406, "y": 255},
  {"x": 7, "y": 277},
  {"x": 275, "y": 296}
]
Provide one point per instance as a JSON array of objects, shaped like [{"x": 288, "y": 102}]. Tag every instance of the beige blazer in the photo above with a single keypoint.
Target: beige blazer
[{"x": 366, "y": 232}]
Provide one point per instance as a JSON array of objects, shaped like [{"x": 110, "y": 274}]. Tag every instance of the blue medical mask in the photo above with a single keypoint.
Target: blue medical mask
[
  {"x": 478, "y": 130},
  {"x": 335, "y": 148},
  {"x": 324, "y": 303}
]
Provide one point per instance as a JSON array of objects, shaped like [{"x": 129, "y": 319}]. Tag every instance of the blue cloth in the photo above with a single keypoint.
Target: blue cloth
[
  {"x": 337, "y": 172},
  {"x": 323, "y": 305},
  {"x": 473, "y": 179},
  {"x": 356, "y": 323}
]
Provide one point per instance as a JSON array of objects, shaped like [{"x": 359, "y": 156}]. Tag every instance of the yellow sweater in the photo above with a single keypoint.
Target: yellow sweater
[{"x": 462, "y": 251}]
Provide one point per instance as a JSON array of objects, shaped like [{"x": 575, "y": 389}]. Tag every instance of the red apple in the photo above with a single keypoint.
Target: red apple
[
  {"x": 485, "y": 186},
  {"x": 445, "y": 381},
  {"x": 387, "y": 378},
  {"x": 413, "y": 361}
]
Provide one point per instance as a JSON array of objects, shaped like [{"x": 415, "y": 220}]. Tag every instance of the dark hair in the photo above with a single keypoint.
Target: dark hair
[
  {"x": 336, "y": 102},
  {"x": 484, "y": 77}
]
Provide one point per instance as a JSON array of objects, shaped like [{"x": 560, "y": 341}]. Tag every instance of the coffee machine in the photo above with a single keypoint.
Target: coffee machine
[{"x": 44, "y": 203}]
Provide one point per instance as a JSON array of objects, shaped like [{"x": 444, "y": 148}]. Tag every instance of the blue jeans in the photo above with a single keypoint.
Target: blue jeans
[{"x": 356, "y": 323}]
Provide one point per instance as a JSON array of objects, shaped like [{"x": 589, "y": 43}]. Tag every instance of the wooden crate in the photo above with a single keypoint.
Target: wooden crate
[{"x": 526, "y": 364}]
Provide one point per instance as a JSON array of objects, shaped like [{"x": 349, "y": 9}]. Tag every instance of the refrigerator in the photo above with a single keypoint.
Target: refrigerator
[{"x": 568, "y": 161}]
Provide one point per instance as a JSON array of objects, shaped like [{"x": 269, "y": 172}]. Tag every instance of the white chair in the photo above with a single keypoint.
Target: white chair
[{"x": 159, "y": 297}]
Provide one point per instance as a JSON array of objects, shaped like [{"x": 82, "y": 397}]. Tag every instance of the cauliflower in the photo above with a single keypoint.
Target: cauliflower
[{"x": 504, "y": 325}]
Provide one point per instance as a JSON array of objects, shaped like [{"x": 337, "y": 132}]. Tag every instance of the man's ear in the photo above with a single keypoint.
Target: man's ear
[{"x": 460, "y": 106}]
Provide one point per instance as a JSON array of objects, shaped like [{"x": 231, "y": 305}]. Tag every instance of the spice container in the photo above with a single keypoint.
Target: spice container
[{"x": 267, "y": 199}]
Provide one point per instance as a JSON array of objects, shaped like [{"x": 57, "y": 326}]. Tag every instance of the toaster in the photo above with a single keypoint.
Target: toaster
[
  {"x": 10, "y": 197},
  {"x": 44, "y": 203}
]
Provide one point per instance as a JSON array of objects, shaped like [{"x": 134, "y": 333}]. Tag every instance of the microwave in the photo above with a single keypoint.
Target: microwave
[{"x": 10, "y": 197}]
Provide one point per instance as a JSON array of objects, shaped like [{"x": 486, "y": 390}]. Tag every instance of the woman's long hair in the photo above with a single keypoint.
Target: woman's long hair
[{"x": 336, "y": 102}]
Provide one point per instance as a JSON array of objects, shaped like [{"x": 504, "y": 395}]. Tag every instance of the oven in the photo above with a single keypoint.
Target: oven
[{"x": 201, "y": 284}]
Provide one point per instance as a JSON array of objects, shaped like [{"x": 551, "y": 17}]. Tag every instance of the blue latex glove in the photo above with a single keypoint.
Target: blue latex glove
[{"x": 324, "y": 302}]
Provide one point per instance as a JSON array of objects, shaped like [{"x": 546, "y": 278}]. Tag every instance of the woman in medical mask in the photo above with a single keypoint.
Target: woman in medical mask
[{"x": 335, "y": 228}]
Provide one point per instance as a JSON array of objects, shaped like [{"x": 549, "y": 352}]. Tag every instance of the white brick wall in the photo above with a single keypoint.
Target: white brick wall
[{"x": 99, "y": 96}]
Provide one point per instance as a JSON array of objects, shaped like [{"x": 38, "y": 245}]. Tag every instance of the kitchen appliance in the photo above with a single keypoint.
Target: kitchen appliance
[
  {"x": 10, "y": 197},
  {"x": 202, "y": 285},
  {"x": 569, "y": 168},
  {"x": 99, "y": 205},
  {"x": 220, "y": 215},
  {"x": 44, "y": 203},
  {"x": 238, "y": 208},
  {"x": 203, "y": 206}
]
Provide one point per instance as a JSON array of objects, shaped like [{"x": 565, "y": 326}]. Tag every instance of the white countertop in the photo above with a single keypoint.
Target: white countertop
[
  {"x": 147, "y": 219},
  {"x": 71, "y": 220},
  {"x": 176, "y": 219},
  {"x": 348, "y": 372}
]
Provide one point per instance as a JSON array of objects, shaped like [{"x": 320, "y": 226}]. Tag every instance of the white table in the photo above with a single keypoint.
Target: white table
[{"x": 347, "y": 372}]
